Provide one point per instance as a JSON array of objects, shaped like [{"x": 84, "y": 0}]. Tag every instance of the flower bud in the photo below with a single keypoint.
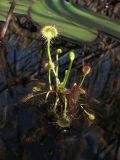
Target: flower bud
[
  {"x": 59, "y": 51},
  {"x": 72, "y": 56},
  {"x": 86, "y": 69},
  {"x": 49, "y": 66},
  {"x": 91, "y": 117},
  {"x": 49, "y": 32}
]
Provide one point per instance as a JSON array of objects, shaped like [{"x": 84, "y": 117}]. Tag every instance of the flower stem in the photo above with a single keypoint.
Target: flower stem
[
  {"x": 56, "y": 103},
  {"x": 63, "y": 84},
  {"x": 48, "y": 50},
  {"x": 57, "y": 65},
  {"x": 65, "y": 108},
  {"x": 82, "y": 80},
  {"x": 57, "y": 77},
  {"x": 49, "y": 78}
]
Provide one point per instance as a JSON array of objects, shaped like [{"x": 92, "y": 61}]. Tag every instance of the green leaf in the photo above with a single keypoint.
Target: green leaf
[
  {"x": 4, "y": 8},
  {"x": 22, "y": 7},
  {"x": 83, "y": 16},
  {"x": 74, "y": 21},
  {"x": 51, "y": 12}
]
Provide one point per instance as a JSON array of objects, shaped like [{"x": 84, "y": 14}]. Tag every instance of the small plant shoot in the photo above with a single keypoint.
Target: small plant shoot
[{"x": 66, "y": 106}]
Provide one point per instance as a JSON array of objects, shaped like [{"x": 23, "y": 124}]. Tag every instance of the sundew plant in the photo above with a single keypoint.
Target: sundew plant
[{"x": 66, "y": 106}]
